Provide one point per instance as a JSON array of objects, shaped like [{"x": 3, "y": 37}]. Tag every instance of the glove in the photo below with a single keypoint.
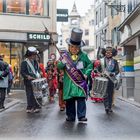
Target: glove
[
  {"x": 63, "y": 60},
  {"x": 95, "y": 71},
  {"x": 111, "y": 74},
  {"x": 1, "y": 78}
]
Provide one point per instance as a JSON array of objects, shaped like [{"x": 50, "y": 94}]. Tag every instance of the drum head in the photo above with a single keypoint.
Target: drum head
[
  {"x": 101, "y": 78},
  {"x": 39, "y": 80}
]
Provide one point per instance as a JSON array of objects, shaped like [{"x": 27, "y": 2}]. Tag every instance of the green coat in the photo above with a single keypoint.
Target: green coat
[{"x": 70, "y": 90}]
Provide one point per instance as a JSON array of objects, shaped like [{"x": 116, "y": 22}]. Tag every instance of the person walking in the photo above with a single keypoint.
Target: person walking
[
  {"x": 77, "y": 67},
  {"x": 4, "y": 71},
  {"x": 62, "y": 104},
  {"x": 30, "y": 71},
  {"x": 110, "y": 67}
]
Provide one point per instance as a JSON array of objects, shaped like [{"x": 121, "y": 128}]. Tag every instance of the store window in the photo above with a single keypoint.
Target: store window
[
  {"x": 12, "y": 54},
  {"x": 16, "y": 6},
  {"x": 36, "y": 7},
  {"x": 1, "y": 6}
]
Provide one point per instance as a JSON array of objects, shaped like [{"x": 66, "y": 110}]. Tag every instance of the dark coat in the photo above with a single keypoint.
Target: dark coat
[
  {"x": 26, "y": 71},
  {"x": 4, "y": 68}
]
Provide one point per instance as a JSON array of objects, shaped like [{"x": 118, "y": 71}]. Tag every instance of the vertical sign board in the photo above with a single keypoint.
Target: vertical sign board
[{"x": 62, "y": 15}]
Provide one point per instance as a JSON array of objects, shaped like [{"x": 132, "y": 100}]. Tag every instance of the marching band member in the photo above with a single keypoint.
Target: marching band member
[
  {"x": 110, "y": 67},
  {"x": 51, "y": 71},
  {"x": 77, "y": 67},
  {"x": 96, "y": 73},
  {"x": 30, "y": 71},
  {"x": 62, "y": 103}
]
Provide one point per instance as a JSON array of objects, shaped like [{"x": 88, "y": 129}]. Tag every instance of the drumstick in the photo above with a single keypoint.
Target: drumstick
[{"x": 52, "y": 41}]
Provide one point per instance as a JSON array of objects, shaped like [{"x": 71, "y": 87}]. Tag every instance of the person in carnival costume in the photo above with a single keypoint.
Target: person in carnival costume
[
  {"x": 111, "y": 68},
  {"x": 77, "y": 68}
]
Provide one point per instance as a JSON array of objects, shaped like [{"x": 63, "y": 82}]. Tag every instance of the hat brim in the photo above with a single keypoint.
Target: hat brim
[{"x": 69, "y": 43}]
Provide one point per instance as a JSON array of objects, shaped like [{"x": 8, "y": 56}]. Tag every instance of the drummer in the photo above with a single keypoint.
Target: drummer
[
  {"x": 30, "y": 71},
  {"x": 109, "y": 65}
]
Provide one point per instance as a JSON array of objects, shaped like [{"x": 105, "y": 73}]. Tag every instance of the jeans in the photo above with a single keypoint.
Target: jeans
[
  {"x": 109, "y": 95},
  {"x": 71, "y": 107},
  {"x": 2, "y": 97}
]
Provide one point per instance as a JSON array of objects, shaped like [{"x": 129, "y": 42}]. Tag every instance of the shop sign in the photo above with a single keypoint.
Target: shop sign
[
  {"x": 38, "y": 37},
  {"x": 62, "y": 15}
]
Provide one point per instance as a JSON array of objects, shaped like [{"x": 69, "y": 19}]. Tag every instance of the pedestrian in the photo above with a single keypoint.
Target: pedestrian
[
  {"x": 4, "y": 71},
  {"x": 96, "y": 72},
  {"x": 52, "y": 79},
  {"x": 62, "y": 104},
  {"x": 77, "y": 67},
  {"x": 10, "y": 80},
  {"x": 110, "y": 68},
  {"x": 30, "y": 71}
]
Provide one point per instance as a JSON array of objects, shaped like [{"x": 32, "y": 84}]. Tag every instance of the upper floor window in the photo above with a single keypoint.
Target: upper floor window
[
  {"x": 1, "y": 6},
  {"x": 16, "y": 6},
  {"x": 129, "y": 6},
  {"x": 35, "y": 7},
  {"x": 86, "y": 32},
  {"x": 87, "y": 42},
  {"x": 28, "y": 7},
  {"x": 96, "y": 17}
]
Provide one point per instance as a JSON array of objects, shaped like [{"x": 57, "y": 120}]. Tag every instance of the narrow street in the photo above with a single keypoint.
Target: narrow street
[{"x": 50, "y": 123}]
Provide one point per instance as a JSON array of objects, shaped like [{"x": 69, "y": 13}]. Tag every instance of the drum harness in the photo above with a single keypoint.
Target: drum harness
[{"x": 106, "y": 74}]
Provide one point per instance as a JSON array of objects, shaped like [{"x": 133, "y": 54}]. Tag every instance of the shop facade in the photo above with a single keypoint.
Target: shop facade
[
  {"x": 22, "y": 25},
  {"x": 130, "y": 41}
]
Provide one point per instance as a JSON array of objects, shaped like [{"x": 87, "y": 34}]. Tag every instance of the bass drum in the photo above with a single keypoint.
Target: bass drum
[
  {"x": 40, "y": 87},
  {"x": 100, "y": 86}
]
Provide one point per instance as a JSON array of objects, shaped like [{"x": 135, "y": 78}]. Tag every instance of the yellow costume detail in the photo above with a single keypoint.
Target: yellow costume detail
[{"x": 74, "y": 57}]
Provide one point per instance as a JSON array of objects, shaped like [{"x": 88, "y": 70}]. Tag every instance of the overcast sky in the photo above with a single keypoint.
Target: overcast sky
[{"x": 82, "y": 7}]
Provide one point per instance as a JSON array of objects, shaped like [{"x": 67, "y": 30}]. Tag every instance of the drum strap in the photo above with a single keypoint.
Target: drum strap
[
  {"x": 32, "y": 68},
  {"x": 103, "y": 64}
]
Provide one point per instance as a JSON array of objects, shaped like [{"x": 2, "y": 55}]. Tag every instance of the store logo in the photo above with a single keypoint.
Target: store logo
[{"x": 38, "y": 37}]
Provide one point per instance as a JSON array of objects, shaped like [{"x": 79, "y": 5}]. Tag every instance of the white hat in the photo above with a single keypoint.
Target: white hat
[{"x": 32, "y": 49}]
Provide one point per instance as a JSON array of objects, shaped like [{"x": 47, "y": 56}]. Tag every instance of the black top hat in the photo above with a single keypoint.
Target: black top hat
[{"x": 76, "y": 37}]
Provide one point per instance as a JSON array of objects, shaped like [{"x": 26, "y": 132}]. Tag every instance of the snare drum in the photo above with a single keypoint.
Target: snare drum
[
  {"x": 100, "y": 86},
  {"x": 39, "y": 85}
]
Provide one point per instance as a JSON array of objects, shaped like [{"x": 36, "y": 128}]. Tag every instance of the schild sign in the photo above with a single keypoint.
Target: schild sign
[{"x": 38, "y": 37}]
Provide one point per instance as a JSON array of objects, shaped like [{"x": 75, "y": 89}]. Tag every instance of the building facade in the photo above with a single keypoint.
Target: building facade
[
  {"x": 23, "y": 24},
  {"x": 130, "y": 41},
  {"x": 102, "y": 36},
  {"x": 86, "y": 23}
]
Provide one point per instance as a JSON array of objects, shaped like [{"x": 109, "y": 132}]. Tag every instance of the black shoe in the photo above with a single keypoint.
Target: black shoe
[
  {"x": 70, "y": 119},
  {"x": 62, "y": 109},
  {"x": 107, "y": 111},
  {"x": 110, "y": 110},
  {"x": 2, "y": 107},
  {"x": 83, "y": 119}
]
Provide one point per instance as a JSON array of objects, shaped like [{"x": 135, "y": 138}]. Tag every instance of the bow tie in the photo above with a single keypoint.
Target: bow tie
[{"x": 74, "y": 57}]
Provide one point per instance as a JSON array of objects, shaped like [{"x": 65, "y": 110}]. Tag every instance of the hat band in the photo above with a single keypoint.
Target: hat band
[{"x": 74, "y": 42}]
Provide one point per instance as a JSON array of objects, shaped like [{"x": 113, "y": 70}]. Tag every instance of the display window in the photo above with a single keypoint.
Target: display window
[
  {"x": 1, "y": 6},
  {"x": 16, "y": 6},
  {"x": 12, "y": 54},
  {"x": 26, "y": 7},
  {"x": 36, "y": 7}
]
